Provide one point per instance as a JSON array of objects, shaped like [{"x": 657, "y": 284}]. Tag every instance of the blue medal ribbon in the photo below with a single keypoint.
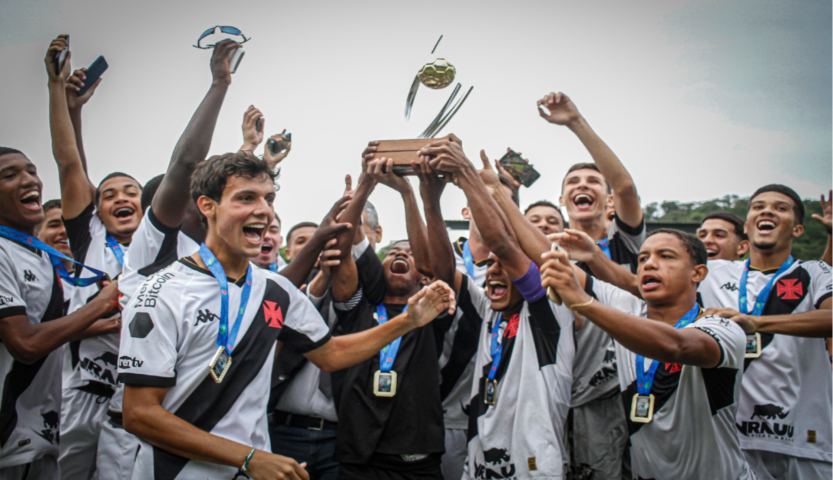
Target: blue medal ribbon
[
  {"x": 605, "y": 246},
  {"x": 54, "y": 256},
  {"x": 225, "y": 338},
  {"x": 645, "y": 380},
  {"x": 497, "y": 348},
  {"x": 116, "y": 248},
  {"x": 273, "y": 267},
  {"x": 764, "y": 295},
  {"x": 388, "y": 354},
  {"x": 468, "y": 259}
]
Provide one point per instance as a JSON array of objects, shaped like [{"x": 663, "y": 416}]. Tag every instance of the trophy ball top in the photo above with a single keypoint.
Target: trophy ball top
[{"x": 437, "y": 74}]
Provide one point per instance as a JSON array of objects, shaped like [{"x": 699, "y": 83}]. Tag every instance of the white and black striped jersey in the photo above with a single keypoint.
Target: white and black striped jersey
[
  {"x": 30, "y": 411},
  {"x": 594, "y": 371},
  {"x": 152, "y": 248},
  {"x": 169, "y": 336},
  {"x": 478, "y": 266},
  {"x": 692, "y": 435},
  {"x": 95, "y": 358},
  {"x": 521, "y": 436},
  {"x": 785, "y": 402}
]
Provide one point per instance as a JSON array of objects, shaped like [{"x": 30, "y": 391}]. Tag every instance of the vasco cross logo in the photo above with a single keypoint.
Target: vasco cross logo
[
  {"x": 205, "y": 316},
  {"x": 29, "y": 276},
  {"x": 789, "y": 289},
  {"x": 272, "y": 314}
]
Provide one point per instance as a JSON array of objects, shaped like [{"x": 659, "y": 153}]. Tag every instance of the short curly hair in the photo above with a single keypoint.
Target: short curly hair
[{"x": 210, "y": 177}]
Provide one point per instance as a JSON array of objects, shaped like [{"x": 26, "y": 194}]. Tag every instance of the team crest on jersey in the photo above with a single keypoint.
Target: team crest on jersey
[
  {"x": 512, "y": 326},
  {"x": 789, "y": 289},
  {"x": 673, "y": 367},
  {"x": 272, "y": 314},
  {"x": 498, "y": 465},
  {"x": 50, "y": 432}
]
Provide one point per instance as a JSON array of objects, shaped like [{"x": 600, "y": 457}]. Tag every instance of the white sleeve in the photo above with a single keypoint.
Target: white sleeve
[
  {"x": 617, "y": 298},
  {"x": 303, "y": 330},
  {"x": 11, "y": 298},
  {"x": 148, "y": 350},
  {"x": 632, "y": 237},
  {"x": 146, "y": 245},
  {"x": 730, "y": 337},
  {"x": 821, "y": 283}
]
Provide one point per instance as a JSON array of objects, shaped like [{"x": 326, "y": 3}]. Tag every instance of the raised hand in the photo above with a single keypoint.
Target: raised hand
[
  {"x": 74, "y": 84},
  {"x": 252, "y": 132},
  {"x": 58, "y": 45},
  {"x": 329, "y": 258},
  {"x": 577, "y": 244},
  {"x": 278, "y": 157},
  {"x": 826, "y": 218},
  {"x": 431, "y": 301},
  {"x": 562, "y": 110},
  {"x": 447, "y": 155},
  {"x": 488, "y": 175},
  {"x": 382, "y": 172},
  {"x": 514, "y": 181},
  {"x": 220, "y": 69},
  {"x": 431, "y": 185},
  {"x": 330, "y": 225},
  {"x": 557, "y": 273}
]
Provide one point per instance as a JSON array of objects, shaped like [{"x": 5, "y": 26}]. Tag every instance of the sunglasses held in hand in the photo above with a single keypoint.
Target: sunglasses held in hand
[{"x": 228, "y": 30}]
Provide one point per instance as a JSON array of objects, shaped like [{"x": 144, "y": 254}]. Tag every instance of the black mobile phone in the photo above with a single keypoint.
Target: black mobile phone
[
  {"x": 258, "y": 124},
  {"x": 95, "y": 71},
  {"x": 61, "y": 58},
  {"x": 278, "y": 147},
  {"x": 519, "y": 168}
]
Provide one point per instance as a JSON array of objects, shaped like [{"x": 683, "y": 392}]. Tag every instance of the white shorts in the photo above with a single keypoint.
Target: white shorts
[
  {"x": 117, "y": 450},
  {"x": 778, "y": 466},
  {"x": 43, "y": 468},
  {"x": 82, "y": 415},
  {"x": 454, "y": 458}
]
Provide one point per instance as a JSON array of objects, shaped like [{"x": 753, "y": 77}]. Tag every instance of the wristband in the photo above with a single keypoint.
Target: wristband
[
  {"x": 579, "y": 305},
  {"x": 248, "y": 459},
  {"x": 529, "y": 285}
]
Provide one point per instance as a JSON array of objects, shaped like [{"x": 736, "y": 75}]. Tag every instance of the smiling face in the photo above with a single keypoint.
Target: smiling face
[
  {"x": 401, "y": 275},
  {"x": 721, "y": 241},
  {"x": 119, "y": 206},
  {"x": 238, "y": 222},
  {"x": 666, "y": 271},
  {"x": 499, "y": 287},
  {"x": 52, "y": 232},
  {"x": 20, "y": 193},
  {"x": 771, "y": 223},
  {"x": 270, "y": 249},
  {"x": 585, "y": 195},
  {"x": 546, "y": 219}
]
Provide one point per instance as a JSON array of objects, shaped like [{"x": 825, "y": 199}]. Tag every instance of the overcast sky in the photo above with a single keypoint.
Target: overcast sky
[{"x": 698, "y": 98}]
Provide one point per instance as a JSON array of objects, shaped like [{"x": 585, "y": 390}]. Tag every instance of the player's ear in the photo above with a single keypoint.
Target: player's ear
[
  {"x": 207, "y": 206},
  {"x": 743, "y": 247},
  {"x": 699, "y": 273},
  {"x": 798, "y": 230},
  {"x": 466, "y": 213},
  {"x": 378, "y": 233}
]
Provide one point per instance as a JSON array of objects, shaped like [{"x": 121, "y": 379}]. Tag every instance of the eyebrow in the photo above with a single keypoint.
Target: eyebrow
[{"x": 661, "y": 250}]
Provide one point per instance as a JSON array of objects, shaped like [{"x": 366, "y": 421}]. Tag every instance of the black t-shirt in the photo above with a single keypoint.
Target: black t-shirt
[{"x": 411, "y": 422}]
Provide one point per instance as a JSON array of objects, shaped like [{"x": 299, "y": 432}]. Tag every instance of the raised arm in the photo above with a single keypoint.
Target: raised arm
[
  {"x": 417, "y": 234},
  {"x": 580, "y": 247},
  {"x": 440, "y": 253},
  {"x": 562, "y": 111},
  {"x": 75, "y": 104},
  {"x": 171, "y": 200},
  {"x": 77, "y": 192},
  {"x": 650, "y": 338},
  {"x": 345, "y": 276},
  {"x": 492, "y": 223}
]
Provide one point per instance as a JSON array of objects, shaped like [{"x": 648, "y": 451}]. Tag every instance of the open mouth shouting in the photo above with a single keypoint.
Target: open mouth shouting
[
  {"x": 124, "y": 214},
  {"x": 254, "y": 233},
  {"x": 765, "y": 226},
  {"x": 650, "y": 283},
  {"x": 712, "y": 254},
  {"x": 496, "y": 290},
  {"x": 400, "y": 266},
  {"x": 266, "y": 248},
  {"x": 583, "y": 202},
  {"x": 31, "y": 200}
]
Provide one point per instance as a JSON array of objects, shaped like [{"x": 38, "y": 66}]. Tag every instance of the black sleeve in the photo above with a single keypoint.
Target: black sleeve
[
  {"x": 371, "y": 276},
  {"x": 167, "y": 253},
  {"x": 78, "y": 233},
  {"x": 542, "y": 317}
]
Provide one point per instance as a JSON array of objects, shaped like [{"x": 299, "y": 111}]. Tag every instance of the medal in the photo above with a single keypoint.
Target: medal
[
  {"x": 221, "y": 362},
  {"x": 384, "y": 383},
  {"x": 491, "y": 392},
  {"x": 753, "y": 345},
  {"x": 642, "y": 408},
  {"x": 384, "y": 380}
]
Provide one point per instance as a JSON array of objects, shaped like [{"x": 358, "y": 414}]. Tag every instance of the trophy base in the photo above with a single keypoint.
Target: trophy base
[{"x": 403, "y": 153}]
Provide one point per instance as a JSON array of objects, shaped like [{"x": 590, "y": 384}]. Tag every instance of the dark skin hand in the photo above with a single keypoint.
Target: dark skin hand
[{"x": 171, "y": 200}]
